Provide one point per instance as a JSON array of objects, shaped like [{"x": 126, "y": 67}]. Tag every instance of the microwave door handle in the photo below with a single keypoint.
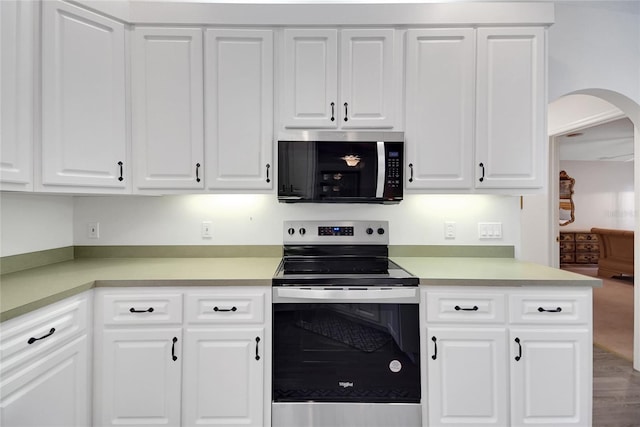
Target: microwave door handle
[{"x": 382, "y": 172}]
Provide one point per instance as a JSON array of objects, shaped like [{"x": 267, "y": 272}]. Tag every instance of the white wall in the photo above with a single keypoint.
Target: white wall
[
  {"x": 603, "y": 194},
  {"x": 257, "y": 219},
  {"x": 31, "y": 222},
  {"x": 595, "y": 44}
]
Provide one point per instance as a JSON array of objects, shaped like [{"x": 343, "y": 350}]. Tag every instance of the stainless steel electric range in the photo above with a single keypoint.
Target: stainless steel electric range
[{"x": 346, "y": 332}]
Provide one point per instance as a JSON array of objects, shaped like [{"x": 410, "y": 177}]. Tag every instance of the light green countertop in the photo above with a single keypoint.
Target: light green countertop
[
  {"x": 28, "y": 290},
  {"x": 454, "y": 271}
]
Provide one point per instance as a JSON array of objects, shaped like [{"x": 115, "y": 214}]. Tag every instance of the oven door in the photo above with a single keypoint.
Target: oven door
[{"x": 337, "y": 351}]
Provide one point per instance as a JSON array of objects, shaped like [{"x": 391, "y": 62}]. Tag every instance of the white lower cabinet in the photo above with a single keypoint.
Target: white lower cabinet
[
  {"x": 467, "y": 379},
  {"x": 50, "y": 392},
  {"x": 551, "y": 379},
  {"x": 140, "y": 375},
  {"x": 147, "y": 374},
  {"x": 507, "y": 357},
  {"x": 223, "y": 376},
  {"x": 45, "y": 378}
]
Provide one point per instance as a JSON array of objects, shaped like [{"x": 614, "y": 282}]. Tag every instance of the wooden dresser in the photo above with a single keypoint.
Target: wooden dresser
[{"x": 579, "y": 247}]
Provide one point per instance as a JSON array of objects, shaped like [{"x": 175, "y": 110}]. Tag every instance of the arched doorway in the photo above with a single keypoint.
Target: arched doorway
[{"x": 630, "y": 109}]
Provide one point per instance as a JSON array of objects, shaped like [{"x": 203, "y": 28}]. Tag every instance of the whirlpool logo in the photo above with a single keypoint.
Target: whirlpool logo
[{"x": 345, "y": 384}]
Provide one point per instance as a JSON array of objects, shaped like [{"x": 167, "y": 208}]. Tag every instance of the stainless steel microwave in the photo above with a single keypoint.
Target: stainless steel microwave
[{"x": 340, "y": 167}]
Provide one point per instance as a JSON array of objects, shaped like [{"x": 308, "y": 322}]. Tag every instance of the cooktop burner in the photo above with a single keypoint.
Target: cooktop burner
[{"x": 328, "y": 253}]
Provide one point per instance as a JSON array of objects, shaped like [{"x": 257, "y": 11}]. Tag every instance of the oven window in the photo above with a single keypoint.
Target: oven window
[{"x": 346, "y": 353}]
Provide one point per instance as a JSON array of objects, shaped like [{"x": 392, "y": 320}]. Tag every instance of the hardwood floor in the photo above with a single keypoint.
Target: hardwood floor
[
  {"x": 612, "y": 312},
  {"x": 616, "y": 391}
]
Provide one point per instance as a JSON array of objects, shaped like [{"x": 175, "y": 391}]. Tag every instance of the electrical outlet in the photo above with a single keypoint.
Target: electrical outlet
[
  {"x": 449, "y": 230},
  {"x": 93, "y": 230},
  {"x": 206, "y": 230}
]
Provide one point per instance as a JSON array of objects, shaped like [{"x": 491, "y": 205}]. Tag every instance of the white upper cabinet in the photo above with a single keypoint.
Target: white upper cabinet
[
  {"x": 310, "y": 82},
  {"x": 366, "y": 71},
  {"x": 239, "y": 109},
  {"x": 84, "y": 140},
  {"x": 511, "y": 107},
  {"x": 440, "y": 84},
  {"x": 167, "y": 97},
  {"x": 17, "y": 54},
  {"x": 475, "y": 91},
  {"x": 367, "y": 79}
]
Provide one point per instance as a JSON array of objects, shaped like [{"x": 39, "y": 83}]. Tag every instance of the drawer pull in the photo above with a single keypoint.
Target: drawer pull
[
  {"x": 435, "y": 348},
  {"x": 257, "y": 341},
  {"x": 519, "y": 356},
  {"x": 234, "y": 308},
  {"x": 458, "y": 308},
  {"x": 148, "y": 310},
  {"x": 553, "y": 310},
  {"x": 32, "y": 339},
  {"x": 173, "y": 349}
]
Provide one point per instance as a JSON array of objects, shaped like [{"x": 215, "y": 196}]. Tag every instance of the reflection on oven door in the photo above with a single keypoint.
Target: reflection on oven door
[{"x": 346, "y": 352}]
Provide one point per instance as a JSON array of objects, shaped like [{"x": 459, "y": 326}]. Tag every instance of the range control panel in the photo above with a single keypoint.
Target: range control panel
[{"x": 336, "y": 232}]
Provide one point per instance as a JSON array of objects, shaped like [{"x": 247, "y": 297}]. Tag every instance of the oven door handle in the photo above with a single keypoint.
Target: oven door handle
[{"x": 346, "y": 294}]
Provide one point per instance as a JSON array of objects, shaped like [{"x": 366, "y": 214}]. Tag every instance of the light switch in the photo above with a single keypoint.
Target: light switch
[
  {"x": 490, "y": 230},
  {"x": 207, "y": 232}
]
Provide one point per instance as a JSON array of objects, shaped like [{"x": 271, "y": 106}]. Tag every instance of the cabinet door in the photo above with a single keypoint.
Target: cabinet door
[
  {"x": 239, "y": 108},
  {"x": 367, "y": 80},
  {"x": 551, "y": 381},
  {"x": 440, "y": 104},
  {"x": 83, "y": 100},
  {"x": 310, "y": 80},
  {"x": 17, "y": 54},
  {"x": 53, "y": 391},
  {"x": 168, "y": 125},
  {"x": 223, "y": 377},
  {"x": 511, "y": 107},
  {"x": 138, "y": 377},
  {"x": 467, "y": 376}
]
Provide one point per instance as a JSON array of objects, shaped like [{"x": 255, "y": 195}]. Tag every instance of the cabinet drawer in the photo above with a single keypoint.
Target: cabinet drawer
[
  {"x": 141, "y": 309},
  {"x": 568, "y": 258},
  {"x": 465, "y": 307},
  {"x": 225, "y": 307},
  {"x": 587, "y": 258},
  {"x": 567, "y": 246},
  {"x": 543, "y": 309},
  {"x": 586, "y": 237},
  {"x": 587, "y": 247},
  {"x": 567, "y": 237},
  {"x": 42, "y": 331}
]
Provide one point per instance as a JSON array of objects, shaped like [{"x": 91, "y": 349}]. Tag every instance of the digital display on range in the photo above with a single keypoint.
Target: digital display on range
[{"x": 335, "y": 231}]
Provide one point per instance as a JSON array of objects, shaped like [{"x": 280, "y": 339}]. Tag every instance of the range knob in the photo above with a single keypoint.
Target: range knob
[
  {"x": 380, "y": 230},
  {"x": 369, "y": 230},
  {"x": 291, "y": 231},
  {"x": 302, "y": 231}
]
